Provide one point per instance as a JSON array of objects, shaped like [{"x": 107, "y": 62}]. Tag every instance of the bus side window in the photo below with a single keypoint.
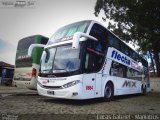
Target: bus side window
[
  {"x": 113, "y": 41},
  {"x": 110, "y": 43},
  {"x": 118, "y": 70},
  {"x": 89, "y": 62},
  {"x": 89, "y": 56},
  {"x": 101, "y": 34},
  {"x": 114, "y": 69},
  {"x": 94, "y": 56}
]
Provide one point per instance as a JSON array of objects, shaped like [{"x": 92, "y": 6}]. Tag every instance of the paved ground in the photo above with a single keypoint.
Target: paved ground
[{"x": 26, "y": 104}]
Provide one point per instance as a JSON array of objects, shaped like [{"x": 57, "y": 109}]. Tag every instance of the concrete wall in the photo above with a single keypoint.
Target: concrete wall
[{"x": 155, "y": 84}]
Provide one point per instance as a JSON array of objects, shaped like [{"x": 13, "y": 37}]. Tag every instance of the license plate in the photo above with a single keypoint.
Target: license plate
[{"x": 50, "y": 92}]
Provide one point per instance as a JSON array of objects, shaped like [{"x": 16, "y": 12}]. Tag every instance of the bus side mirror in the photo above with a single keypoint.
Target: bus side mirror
[
  {"x": 34, "y": 46},
  {"x": 77, "y": 36}
]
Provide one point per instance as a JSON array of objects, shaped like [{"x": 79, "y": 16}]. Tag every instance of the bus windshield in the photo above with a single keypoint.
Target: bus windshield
[
  {"x": 68, "y": 31},
  {"x": 22, "y": 59},
  {"x": 25, "y": 62},
  {"x": 60, "y": 59}
]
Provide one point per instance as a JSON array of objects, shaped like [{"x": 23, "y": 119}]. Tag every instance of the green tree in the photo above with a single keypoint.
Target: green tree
[{"x": 135, "y": 20}]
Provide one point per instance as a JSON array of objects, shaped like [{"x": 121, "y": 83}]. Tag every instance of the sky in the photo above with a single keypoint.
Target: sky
[{"x": 41, "y": 17}]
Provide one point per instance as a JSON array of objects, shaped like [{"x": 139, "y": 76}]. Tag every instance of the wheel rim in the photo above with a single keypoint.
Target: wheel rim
[{"x": 108, "y": 92}]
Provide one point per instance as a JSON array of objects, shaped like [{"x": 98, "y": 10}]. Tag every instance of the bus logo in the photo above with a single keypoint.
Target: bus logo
[
  {"x": 129, "y": 84},
  {"x": 120, "y": 57}
]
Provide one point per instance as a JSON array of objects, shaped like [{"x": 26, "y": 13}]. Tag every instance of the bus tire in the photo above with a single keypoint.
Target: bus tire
[
  {"x": 108, "y": 92},
  {"x": 144, "y": 90}
]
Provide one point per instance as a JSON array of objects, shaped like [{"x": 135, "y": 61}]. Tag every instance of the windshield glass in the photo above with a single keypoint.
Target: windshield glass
[
  {"x": 60, "y": 59},
  {"x": 22, "y": 59},
  {"x": 68, "y": 31},
  {"x": 26, "y": 42}
]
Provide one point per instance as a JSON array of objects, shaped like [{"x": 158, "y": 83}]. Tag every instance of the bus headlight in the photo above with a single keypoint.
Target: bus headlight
[
  {"x": 71, "y": 84},
  {"x": 39, "y": 84}
]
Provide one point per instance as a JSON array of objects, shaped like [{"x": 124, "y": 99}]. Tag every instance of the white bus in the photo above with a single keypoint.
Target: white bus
[
  {"x": 85, "y": 60},
  {"x": 27, "y": 67}
]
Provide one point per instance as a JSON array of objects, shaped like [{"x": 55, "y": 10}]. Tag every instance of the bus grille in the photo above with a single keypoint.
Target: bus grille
[{"x": 52, "y": 87}]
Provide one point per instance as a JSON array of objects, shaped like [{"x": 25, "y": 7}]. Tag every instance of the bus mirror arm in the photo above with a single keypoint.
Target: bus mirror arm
[
  {"x": 34, "y": 46},
  {"x": 77, "y": 36}
]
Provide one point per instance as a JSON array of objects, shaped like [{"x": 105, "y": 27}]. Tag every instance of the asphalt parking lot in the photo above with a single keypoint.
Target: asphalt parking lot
[{"x": 27, "y": 104}]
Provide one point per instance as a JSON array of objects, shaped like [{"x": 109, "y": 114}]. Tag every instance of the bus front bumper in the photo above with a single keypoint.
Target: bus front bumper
[{"x": 73, "y": 92}]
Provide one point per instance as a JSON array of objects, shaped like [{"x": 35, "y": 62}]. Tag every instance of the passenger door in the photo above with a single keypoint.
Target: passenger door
[
  {"x": 98, "y": 84},
  {"x": 89, "y": 85}
]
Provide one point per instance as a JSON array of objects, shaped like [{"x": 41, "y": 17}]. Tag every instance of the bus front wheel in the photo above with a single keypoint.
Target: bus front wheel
[{"x": 108, "y": 92}]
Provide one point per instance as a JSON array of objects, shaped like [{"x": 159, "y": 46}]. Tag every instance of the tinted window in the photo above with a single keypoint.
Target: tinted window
[
  {"x": 114, "y": 42},
  {"x": 125, "y": 49},
  {"x": 44, "y": 40},
  {"x": 123, "y": 71},
  {"x": 93, "y": 58},
  {"x": 118, "y": 69},
  {"x": 101, "y": 34},
  {"x": 26, "y": 42},
  {"x": 26, "y": 62},
  {"x": 134, "y": 74}
]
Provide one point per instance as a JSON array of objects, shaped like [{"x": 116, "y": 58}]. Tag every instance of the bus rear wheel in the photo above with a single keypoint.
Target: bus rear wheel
[
  {"x": 144, "y": 90},
  {"x": 108, "y": 92}
]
